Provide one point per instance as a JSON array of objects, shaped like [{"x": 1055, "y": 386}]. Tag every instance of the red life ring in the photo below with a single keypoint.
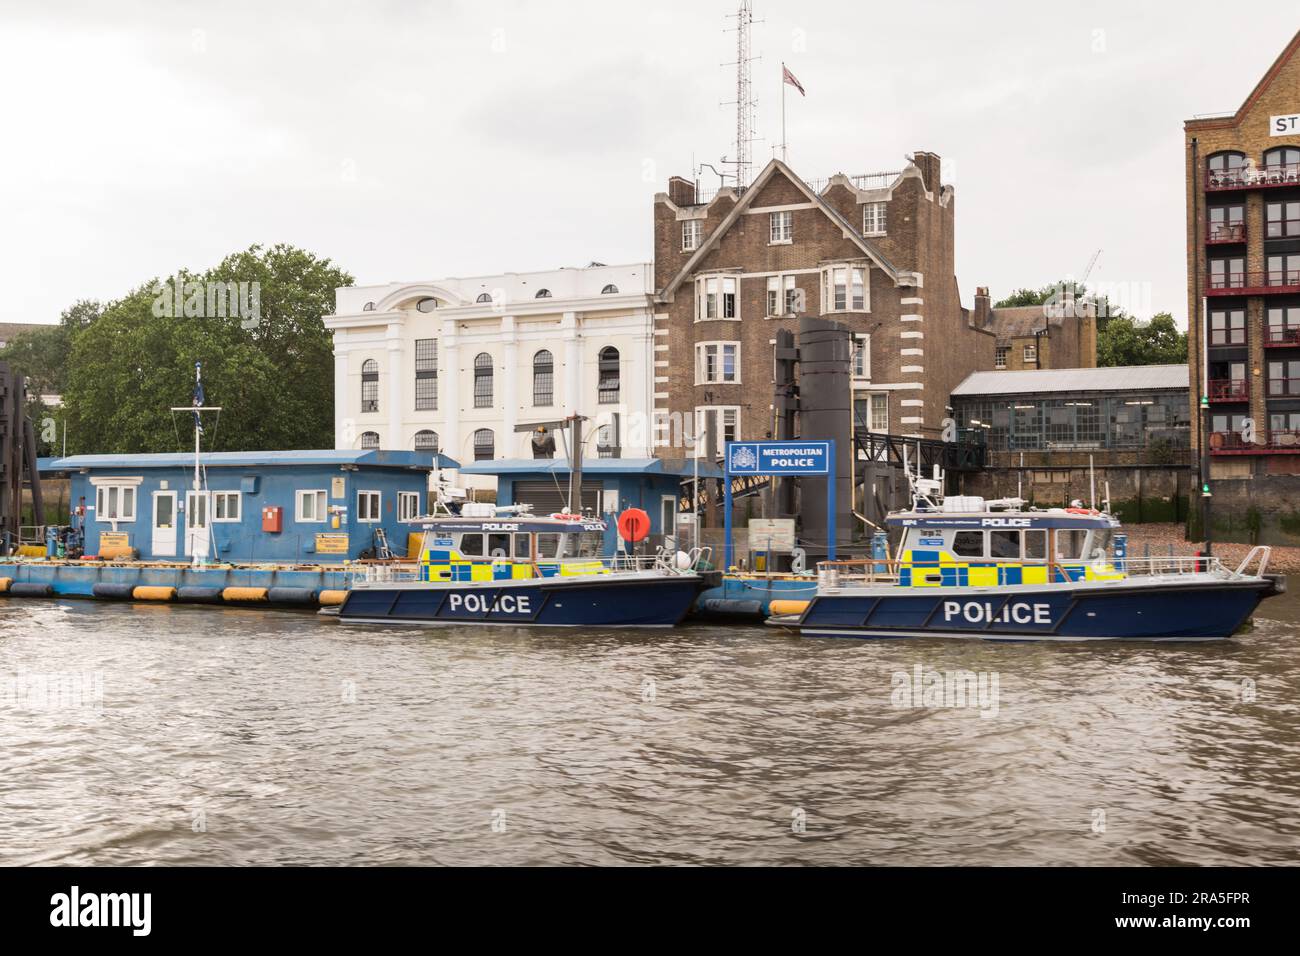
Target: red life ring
[
  {"x": 1081, "y": 511},
  {"x": 633, "y": 525}
]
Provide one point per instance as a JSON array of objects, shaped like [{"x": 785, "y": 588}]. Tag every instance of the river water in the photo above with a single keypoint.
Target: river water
[{"x": 155, "y": 734}]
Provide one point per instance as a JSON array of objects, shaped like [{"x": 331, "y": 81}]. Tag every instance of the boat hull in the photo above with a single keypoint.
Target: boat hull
[
  {"x": 1191, "y": 608},
  {"x": 633, "y": 600}
]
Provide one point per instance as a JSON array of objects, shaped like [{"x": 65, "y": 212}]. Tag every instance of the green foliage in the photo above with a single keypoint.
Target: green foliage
[
  {"x": 274, "y": 379},
  {"x": 1123, "y": 341}
]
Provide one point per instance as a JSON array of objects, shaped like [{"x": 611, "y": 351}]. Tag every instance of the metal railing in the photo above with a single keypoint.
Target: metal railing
[
  {"x": 832, "y": 575},
  {"x": 1282, "y": 229},
  {"x": 663, "y": 560},
  {"x": 1243, "y": 177},
  {"x": 1229, "y": 390},
  {"x": 1283, "y": 335},
  {"x": 1242, "y": 283},
  {"x": 1283, "y": 387},
  {"x": 1226, "y": 232}
]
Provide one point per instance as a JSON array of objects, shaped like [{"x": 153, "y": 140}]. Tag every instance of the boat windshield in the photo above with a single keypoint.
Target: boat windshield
[
  {"x": 584, "y": 544},
  {"x": 1100, "y": 543}
]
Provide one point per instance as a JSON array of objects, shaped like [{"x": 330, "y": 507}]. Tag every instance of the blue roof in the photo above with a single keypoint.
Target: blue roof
[
  {"x": 365, "y": 458},
  {"x": 675, "y": 467}
]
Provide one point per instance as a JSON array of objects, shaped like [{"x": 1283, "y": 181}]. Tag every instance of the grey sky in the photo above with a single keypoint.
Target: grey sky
[{"x": 414, "y": 140}]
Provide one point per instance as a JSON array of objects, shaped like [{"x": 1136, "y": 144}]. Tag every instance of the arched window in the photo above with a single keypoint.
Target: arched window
[
  {"x": 483, "y": 380},
  {"x": 368, "y": 307},
  {"x": 610, "y": 289},
  {"x": 1282, "y": 164},
  {"x": 370, "y": 439},
  {"x": 426, "y": 440},
  {"x": 1225, "y": 168},
  {"x": 543, "y": 378},
  {"x": 608, "y": 370},
  {"x": 543, "y": 294},
  {"x": 484, "y": 297},
  {"x": 370, "y": 386},
  {"x": 484, "y": 445}
]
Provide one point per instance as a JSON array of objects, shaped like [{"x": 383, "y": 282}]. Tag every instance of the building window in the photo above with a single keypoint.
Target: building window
[
  {"x": 370, "y": 386},
  {"x": 691, "y": 232},
  {"x": 872, "y": 412},
  {"x": 608, "y": 382},
  {"x": 1227, "y": 223},
  {"x": 1227, "y": 273},
  {"x": 484, "y": 297},
  {"x": 543, "y": 378},
  {"x": 873, "y": 219},
  {"x": 1284, "y": 325},
  {"x": 1228, "y": 327},
  {"x": 426, "y": 374},
  {"x": 482, "y": 380},
  {"x": 310, "y": 506},
  {"x": 1282, "y": 220},
  {"x": 717, "y": 363},
  {"x": 484, "y": 445},
  {"x": 368, "y": 506},
  {"x": 427, "y": 304},
  {"x": 1225, "y": 168},
  {"x": 783, "y": 296},
  {"x": 1000, "y": 354},
  {"x": 1284, "y": 270},
  {"x": 780, "y": 227},
  {"x": 1030, "y": 354},
  {"x": 861, "y": 355},
  {"x": 115, "y": 503},
  {"x": 369, "y": 440},
  {"x": 408, "y": 505},
  {"x": 1284, "y": 378},
  {"x": 225, "y": 505},
  {"x": 716, "y": 297},
  {"x": 844, "y": 289},
  {"x": 426, "y": 440},
  {"x": 543, "y": 294},
  {"x": 610, "y": 289},
  {"x": 607, "y": 439},
  {"x": 725, "y": 423},
  {"x": 1283, "y": 160}
]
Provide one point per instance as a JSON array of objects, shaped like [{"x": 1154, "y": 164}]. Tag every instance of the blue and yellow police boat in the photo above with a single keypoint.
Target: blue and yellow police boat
[
  {"x": 967, "y": 568},
  {"x": 506, "y": 566}
]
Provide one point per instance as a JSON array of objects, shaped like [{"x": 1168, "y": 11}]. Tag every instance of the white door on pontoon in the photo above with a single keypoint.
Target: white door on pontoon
[
  {"x": 196, "y": 523},
  {"x": 164, "y": 524}
]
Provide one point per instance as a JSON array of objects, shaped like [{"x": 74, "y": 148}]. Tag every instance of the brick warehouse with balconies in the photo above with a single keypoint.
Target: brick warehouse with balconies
[
  {"x": 1243, "y": 265},
  {"x": 1242, "y": 173},
  {"x": 874, "y": 252}
]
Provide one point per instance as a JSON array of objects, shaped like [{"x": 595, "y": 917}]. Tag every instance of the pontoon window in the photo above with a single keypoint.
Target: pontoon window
[
  {"x": 1069, "y": 545},
  {"x": 471, "y": 545},
  {"x": 499, "y": 545},
  {"x": 1036, "y": 544},
  {"x": 548, "y": 544},
  {"x": 521, "y": 546},
  {"x": 1004, "y": 544},
  {"x": 968, "y": 544}
]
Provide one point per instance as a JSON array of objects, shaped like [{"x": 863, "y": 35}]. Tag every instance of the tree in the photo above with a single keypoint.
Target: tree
[
  {"x": 272, "y": 372},
  {"x": 1124, "y": 341}
]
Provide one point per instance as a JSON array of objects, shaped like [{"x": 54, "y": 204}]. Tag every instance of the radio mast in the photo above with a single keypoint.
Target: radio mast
[{"x": 745, "y": 103}]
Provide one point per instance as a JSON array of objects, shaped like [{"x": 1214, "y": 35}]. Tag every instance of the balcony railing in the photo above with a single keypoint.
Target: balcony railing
[
  {"x": 1282, "y": 335},
  {"x": 1274, "y": 281},
  {"x": 1278, "y": 441},
  {"x": 1282, "y": 229},
  {"x": 1258, "y": 177},
  {"x": 1229, "y": 390},
  {"x": 1218, "y": 232}
]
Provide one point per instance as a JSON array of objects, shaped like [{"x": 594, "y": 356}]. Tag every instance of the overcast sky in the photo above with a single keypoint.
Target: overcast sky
[{"x": 410, "y": 140}]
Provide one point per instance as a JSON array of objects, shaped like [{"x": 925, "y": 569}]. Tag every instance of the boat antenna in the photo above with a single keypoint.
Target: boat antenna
[{"x": 197, "y": 407}]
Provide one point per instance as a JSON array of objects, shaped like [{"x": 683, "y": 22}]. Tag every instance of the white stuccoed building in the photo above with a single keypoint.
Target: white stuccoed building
[{"x": 457, "y": 364}]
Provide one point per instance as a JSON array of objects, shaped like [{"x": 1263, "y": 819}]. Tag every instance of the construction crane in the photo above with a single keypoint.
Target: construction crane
[{"x": 1091, "y": 263}]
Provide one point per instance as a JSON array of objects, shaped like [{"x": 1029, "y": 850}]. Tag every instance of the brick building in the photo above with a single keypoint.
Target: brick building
[
  {"x": 1243, "y": 275},
  {"x": 875, "y": 252},
  {"x": 1056, "y": 335}
]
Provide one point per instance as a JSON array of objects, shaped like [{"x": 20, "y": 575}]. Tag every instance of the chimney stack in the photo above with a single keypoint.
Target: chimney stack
[
  {"x": 681, "y": 191},
  {"x": 983, "y": 307},
  {"x": 928, "y": 164}
]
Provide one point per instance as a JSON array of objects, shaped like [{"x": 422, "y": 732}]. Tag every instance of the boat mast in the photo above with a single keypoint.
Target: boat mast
[{"x": 197, "y": 407}]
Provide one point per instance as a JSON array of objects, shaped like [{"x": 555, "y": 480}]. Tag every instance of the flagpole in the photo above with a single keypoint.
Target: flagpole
[{"x": 784, "y": 151}]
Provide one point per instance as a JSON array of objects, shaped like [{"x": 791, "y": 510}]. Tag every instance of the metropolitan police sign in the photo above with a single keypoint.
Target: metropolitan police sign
[{"x": 778, "y": 458}]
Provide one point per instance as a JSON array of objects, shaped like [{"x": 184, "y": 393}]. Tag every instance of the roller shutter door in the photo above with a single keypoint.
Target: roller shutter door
[{"x": 547, "y": 497}]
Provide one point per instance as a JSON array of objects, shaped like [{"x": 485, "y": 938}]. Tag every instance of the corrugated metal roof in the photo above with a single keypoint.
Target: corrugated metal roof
[
  {"x": 679, "y": 467},
  {"x": 1124, "y": 378},
  {"x": 250, "y": 459}
]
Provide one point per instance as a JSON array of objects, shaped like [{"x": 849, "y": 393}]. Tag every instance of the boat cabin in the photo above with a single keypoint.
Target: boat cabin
[
  {"x": 990, "y": 548},
  {"x": 510, "y": 546}
]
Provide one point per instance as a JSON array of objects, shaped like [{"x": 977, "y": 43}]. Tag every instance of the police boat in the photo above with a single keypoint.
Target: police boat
[
  {"x": 1000, "y": 571},
  {"x": 504, "y": 565}
]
